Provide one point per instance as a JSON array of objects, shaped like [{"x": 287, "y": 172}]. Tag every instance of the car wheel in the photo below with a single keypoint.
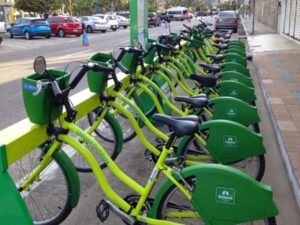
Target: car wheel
[
  {"x": 89, "y": 29},
  {"x": 27, "y": 35},
  {"x": 114, "y": 29},
  {"x": 48, "y": 36},
  {"x": 124, "y": 27},
  {"x": 78, "y": 35},
  {"x": 11, "y": 35},
  {"x": 103, "y": 31},
  {"x": 61, "y": 33}
]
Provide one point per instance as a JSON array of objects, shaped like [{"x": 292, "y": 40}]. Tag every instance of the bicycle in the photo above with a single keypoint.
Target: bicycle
[{"x": 223, "y": 190}]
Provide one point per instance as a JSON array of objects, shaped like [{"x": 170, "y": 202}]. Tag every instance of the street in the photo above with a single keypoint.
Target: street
[{"x": 16, "y": 58}]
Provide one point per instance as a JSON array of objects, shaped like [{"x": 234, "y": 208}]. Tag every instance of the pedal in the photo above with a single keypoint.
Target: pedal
[
  {"x": 102, "y": 210},
  {"x": 148, "y": 156}
]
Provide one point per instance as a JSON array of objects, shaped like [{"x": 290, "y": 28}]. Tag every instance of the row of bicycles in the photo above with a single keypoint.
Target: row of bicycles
[{"x": 193, "y": 93}]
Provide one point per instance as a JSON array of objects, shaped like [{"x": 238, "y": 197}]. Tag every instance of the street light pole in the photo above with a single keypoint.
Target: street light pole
[{"x": 253, "y": 16}]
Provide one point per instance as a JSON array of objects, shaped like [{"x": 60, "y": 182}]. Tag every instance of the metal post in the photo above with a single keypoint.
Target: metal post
[{"x": 253, "y": 16}]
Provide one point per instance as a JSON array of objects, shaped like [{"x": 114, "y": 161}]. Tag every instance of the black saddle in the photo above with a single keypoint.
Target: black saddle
[
  {"x": 204, "y": 81},
  {"x": 216, "y": 58},
  {"x": 180, "y": 126},
  {"x": 221, "y": 46},
  {"x": 194, "y": 101},
  {"x": 211, "y": 68}
]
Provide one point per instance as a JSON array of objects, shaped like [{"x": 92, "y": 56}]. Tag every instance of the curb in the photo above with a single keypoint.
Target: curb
[{"x": 279, "y": 139}]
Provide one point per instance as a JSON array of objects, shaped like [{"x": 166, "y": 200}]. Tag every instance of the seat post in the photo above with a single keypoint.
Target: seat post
[{"x": 171, "y": 140}]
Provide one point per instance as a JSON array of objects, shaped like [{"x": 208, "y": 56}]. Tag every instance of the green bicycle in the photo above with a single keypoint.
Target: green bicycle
[{"x": 213, "y": 194}]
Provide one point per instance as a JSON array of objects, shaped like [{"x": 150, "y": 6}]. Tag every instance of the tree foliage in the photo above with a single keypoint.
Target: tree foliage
[{"x": 38, "y": 6}]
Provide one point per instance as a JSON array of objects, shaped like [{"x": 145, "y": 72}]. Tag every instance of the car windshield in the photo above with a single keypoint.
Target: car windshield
[
  {"x": 39, "y": 22},
  {"x": 95, "y": 18},
  {"x": 227, "y": 14},
  {"x": 69, "y": 20},
  {"x": 112, "y": 18}
]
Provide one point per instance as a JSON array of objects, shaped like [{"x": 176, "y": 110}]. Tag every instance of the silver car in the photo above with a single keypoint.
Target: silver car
[
  {"x": 93, "y": 23},
  {"x": 123, "y": 21}
]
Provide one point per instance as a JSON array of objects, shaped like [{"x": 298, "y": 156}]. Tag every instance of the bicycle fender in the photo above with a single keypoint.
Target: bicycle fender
[
  {"x": 234, "y": 109},
  {"x": 232, "y": 66},
  {"x": 109, "y": 117},
  {"x": 236, "y": 76},
  {"x": 229, "y": 141},
  {"x": 62, "y": 158},
  {"x": 223, "y": 195},
  {"x": 237, "y": 90}
]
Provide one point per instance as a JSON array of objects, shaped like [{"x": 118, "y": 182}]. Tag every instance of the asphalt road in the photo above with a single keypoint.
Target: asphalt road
[{"x": 17, "y": 56}]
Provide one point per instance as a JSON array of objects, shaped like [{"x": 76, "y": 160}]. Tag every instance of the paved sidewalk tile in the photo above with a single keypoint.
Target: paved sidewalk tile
[{"x": 280, "y": 77}]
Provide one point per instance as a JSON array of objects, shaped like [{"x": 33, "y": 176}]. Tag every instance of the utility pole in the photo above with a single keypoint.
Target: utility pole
[{"x": 253, "y": 16}]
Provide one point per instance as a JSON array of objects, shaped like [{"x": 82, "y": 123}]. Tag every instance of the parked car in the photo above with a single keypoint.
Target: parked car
[
  {"x": 227, "y": 20},
  {"x": 29, "y": 27},
  {"x": 164, "y": 16},
  {"x": 64, "y": 25},
  {"x": 93, "y": 23},
  {"x": 153, "y": 19},
  {"x": 178, "y": 13},
  {"x": 123, "y": 21},
  {"x": 111, "y": 20}
]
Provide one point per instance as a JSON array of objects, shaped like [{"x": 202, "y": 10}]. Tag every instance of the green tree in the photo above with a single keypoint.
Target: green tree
[{"x": 38, "y": 6}]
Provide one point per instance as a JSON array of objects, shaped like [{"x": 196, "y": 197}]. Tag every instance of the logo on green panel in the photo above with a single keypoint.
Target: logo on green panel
[
  {"x": 230, "y": 141},
  {"x": 225, "y": 195},
  {"x": 231, "y": 112},
  {"x": 234, "y": 93}
]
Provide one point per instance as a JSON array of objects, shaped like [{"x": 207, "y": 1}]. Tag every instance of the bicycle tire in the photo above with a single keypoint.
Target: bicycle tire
[
  {"x": 49, "y": 198},
  {"x": 112, "y": 147},
  {"x": 257, "y": 171},
  {"x": 173, "y": 199}
]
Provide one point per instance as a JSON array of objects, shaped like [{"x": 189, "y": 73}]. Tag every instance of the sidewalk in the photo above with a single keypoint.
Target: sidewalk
[{"x": 277, "y": 61}]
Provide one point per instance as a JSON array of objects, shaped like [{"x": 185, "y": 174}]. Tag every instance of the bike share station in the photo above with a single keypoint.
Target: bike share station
[{"x": 238, "y": 199}]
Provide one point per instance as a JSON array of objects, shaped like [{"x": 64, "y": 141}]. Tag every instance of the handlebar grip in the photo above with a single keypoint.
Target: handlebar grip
[
  {"x": 56, "y": 90},
  {"x": 122, "y": 68},
  {"x": 98, "y": 68},
  {"x": 186, "y": 26}
]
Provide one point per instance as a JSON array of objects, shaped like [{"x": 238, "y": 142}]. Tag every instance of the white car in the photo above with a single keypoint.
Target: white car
[
  {"x": 123, "y": 21},
  {"x": 93, "y": 23},
  {"x": 111, "y": 20}
]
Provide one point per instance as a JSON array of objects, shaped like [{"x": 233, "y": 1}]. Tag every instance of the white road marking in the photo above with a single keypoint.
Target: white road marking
[{"x": 77, "y": 53}]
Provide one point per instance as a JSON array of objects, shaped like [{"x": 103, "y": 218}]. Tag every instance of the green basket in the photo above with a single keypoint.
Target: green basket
[
  {"x": 41, "y": 109},
  {"x": 97, "y": 81},
  {"x": 130, "y": 62}
]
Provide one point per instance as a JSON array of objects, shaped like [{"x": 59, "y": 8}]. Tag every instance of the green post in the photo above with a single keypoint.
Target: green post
[
  {"x": 12, "y": 207},
  {"x": 139, "y": 21}
]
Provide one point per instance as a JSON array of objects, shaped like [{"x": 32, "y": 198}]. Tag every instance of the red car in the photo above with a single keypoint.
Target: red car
[{"x": 63, "y": 25}]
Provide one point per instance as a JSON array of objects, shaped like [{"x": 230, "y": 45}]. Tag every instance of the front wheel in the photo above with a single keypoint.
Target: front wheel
[
  {"x": 48, "y": 198},
  {"x": 27, "y": 35}
]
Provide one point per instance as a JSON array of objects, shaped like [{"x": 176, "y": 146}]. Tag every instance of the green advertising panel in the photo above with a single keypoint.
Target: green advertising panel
[{"x": 139, "y": 21}]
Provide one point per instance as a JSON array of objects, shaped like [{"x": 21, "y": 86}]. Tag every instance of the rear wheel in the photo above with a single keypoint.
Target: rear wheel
[
  {"x": 89, "y": 29},
  {"x": 114, "y": 29},
  {"x": 107, "y": 131},
  {"x": 48, "y": 198},
  {"x": 48, "y": 36},
  {"x": 253, "y": 166},
  {"x": 124, "y": 27},
  {"x": 174, "y": 202},
  {"x": 103, "y": 31},
  {"x": 10, "y": 34},
  {"x": 78, "y": 35},
  {"x": 61, "y": 33}
]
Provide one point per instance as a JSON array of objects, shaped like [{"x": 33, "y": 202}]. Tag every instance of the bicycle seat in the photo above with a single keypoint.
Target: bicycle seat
[
  {"x": 213, "y": 68},
  {"x": 193, "y": 118},
  {"x": 217, "y": 58},
  {"x": 221, "y": 46},
  {"x": 205, "y": 81},
  {"x": 180, "y": 126},
  {"x": 195, "y": 101}
]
